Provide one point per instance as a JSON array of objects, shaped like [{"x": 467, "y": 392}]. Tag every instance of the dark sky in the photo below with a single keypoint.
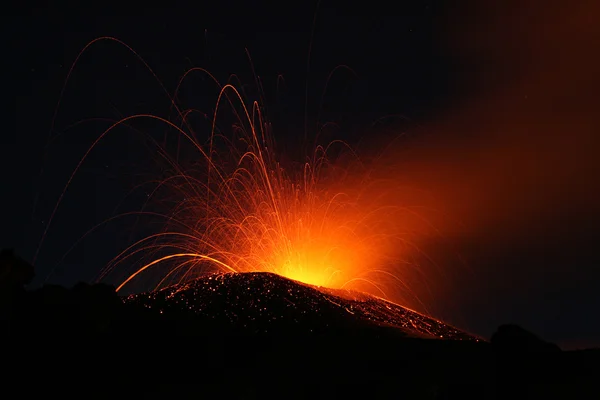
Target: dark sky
[{"x": 501, "y": 101}]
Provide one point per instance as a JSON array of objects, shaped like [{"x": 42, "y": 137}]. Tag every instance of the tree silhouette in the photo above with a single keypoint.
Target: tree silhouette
[{"x": 15, "y": 273}]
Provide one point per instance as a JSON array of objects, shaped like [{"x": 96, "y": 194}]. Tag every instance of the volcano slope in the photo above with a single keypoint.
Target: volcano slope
[
  {"x": 261, "y": 303},
  {"x": 259, "y": 335},
  {"x": 266, "y": 334}
]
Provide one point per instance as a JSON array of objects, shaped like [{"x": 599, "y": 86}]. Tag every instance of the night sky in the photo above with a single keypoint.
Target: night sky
[{"x": 500, "y": 105}]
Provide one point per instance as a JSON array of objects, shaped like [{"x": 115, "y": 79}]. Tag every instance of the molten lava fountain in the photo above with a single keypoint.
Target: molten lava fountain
[{"x": 328, "y": 219}]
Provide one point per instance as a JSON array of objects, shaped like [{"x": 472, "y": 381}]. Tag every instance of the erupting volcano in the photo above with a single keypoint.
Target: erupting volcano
[
  {"x": 323, "y": 222},
  {"x": 311, "y": 221},
  {"x": 330, "y": 218}
]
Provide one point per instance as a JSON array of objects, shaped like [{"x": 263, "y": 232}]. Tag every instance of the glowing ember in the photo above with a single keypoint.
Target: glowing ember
[
  {"x": 326, "y": 220},
  {"x": 272, "y": 304}
]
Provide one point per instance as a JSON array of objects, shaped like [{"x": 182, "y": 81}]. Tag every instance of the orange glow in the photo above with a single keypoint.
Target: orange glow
[
  {"x": 328, "y": 220},
  {"x": 321, "y": 222},
  {"x": 318, "y": 224}
]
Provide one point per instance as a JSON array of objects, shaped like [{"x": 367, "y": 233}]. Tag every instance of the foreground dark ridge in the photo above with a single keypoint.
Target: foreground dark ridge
[
  {"x": 87, "y": 341},
  {"x": 260, "y": 302}
]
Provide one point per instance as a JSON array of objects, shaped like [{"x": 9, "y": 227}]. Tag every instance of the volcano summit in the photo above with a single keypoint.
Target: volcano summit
[{"x": 266, "y": 303}]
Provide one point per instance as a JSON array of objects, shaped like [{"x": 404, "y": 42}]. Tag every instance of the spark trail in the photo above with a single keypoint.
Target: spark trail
[{"x": 328, "y": 220}]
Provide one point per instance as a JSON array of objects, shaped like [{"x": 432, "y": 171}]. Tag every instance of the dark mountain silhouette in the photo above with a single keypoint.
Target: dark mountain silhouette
[
  {"x": 512, "y": 338},
  {"x": 259, "y": 335}
]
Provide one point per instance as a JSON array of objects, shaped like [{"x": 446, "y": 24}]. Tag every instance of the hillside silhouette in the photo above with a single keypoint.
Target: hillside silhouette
[
  {"x": 266, "y": 303},
  {"x": 259, "y": 335}
]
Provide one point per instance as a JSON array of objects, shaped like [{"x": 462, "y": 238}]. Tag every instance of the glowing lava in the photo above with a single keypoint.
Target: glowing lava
[
  {"x": 313, "y": 222},
  {"x": 327, "y": 219}
]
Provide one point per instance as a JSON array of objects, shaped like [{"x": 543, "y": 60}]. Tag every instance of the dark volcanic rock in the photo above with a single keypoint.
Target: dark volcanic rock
[{"x": 269, "y": 303}]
